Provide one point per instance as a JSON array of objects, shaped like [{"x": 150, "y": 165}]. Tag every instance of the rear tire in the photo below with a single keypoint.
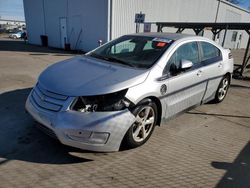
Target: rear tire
[
  {"x": 222, "y": 89},
  {"x": 141, "y": 130}
]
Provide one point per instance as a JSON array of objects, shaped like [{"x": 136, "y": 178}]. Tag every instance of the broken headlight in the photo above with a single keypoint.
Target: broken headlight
[{"x": 108, "y": 102}]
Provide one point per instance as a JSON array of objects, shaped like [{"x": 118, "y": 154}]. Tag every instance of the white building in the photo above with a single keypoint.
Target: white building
[
  {"x": 11, "y": 24},
  {"x": 81, "y": 23}
]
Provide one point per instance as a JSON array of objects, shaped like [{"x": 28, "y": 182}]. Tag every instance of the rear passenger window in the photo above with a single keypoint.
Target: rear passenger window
[{"x": 209, "y": 51}]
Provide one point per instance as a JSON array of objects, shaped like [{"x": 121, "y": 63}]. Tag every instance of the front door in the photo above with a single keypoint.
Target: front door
[{"x": 185, "y": 88}]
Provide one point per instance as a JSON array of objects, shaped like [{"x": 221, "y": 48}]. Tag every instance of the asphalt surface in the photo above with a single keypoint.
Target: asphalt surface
[{"x": 205, "y": 147}]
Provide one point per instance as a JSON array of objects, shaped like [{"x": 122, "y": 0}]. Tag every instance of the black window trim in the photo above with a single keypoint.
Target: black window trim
[{"x": 197, "y": 65}]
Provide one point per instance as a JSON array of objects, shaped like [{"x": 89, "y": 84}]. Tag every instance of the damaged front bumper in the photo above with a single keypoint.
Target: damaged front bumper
[{"x": 95, "y": 131}]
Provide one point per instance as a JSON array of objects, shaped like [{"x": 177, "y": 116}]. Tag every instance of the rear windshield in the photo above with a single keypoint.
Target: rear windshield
[{"x": 134, "y": 51}]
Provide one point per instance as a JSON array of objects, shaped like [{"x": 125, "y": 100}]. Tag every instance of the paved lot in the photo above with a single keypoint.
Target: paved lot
[{"x": 206, "y": 147}]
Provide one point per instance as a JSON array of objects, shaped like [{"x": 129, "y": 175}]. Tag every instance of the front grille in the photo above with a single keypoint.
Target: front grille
[
  {"x": 47, "y": 100},
  {"x": 46, "y": 130}
]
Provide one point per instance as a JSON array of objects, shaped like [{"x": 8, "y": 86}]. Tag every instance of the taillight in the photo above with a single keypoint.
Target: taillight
[{"x": 230, "y": 55}]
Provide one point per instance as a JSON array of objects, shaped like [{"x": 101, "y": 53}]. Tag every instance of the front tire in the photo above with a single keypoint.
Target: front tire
[
  {"x": 222, "y": 89},
  {"x": 141, "y": 130}
]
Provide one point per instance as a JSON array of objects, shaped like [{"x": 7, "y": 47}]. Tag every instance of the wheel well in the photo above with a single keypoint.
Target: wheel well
[{"x": 159, "y": 109}]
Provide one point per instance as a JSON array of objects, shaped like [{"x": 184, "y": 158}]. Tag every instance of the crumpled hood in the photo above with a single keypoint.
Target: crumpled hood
[{"x": 83, "y": 76}]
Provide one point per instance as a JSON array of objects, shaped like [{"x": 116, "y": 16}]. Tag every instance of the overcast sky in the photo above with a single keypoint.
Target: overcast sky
[{"x": 13, "y": 9}]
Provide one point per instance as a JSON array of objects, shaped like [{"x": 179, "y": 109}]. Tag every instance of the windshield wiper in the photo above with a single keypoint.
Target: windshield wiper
[
  {"x": 98, "y": 56},
  {"x": 112, "y": 59}
]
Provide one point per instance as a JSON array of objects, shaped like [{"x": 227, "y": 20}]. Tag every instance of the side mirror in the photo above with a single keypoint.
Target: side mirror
[{"x": 186, "y": 64}]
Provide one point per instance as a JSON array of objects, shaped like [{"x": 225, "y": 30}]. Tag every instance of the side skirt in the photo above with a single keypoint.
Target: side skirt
[{"x": 165, "y": 120}]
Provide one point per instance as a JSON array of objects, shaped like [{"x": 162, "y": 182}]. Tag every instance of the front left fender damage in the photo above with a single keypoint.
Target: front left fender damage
[
  {"x": 82, "y": 130},
  {"x": 95, "y": 131}
]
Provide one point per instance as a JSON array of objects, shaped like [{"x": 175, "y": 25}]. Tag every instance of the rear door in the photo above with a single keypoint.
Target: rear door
[
  {"x": 186, "y": 88},
  {"x": 211, "y": 60}
]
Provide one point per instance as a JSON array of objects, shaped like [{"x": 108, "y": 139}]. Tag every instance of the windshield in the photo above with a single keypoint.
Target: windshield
[{"x": 134, "y": 51}]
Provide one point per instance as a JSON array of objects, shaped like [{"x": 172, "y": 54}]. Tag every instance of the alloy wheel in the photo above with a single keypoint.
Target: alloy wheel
[
  {"x": 223, "y": 89},
  {"x": 144, "y": 124}
]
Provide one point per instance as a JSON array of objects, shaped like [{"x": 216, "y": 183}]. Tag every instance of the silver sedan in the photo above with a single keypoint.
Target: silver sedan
[{"x": 116, "y": 94}]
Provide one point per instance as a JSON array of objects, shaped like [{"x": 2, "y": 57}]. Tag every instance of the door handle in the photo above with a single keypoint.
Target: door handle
[
  {"x": 220, "y": 65},
  {"x": 199, "y": 72}
]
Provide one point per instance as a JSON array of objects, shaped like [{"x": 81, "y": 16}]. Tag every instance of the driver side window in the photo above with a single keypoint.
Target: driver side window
[{"x": 188, "y": 51}]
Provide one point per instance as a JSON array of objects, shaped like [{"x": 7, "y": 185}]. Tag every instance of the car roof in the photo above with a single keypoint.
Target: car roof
[{"x": 171, "y": 36}]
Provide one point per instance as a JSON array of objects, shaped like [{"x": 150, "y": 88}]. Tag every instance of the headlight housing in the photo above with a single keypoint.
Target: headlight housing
[{"x": 99, "y": 103}]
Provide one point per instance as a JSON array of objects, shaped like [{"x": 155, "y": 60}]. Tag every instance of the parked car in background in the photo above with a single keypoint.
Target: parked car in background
[
  {"x": 120, "y": 91},
  {"x": 24, "y": 36},
  {"x": 16, "y": 35}
]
